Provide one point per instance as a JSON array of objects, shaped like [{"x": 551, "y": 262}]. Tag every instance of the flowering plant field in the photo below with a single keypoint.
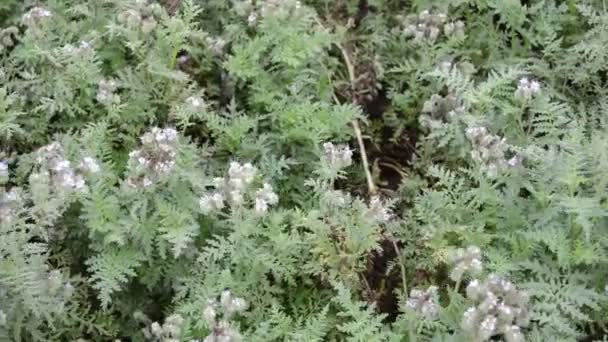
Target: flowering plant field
[{"x": 320, "y": 170}]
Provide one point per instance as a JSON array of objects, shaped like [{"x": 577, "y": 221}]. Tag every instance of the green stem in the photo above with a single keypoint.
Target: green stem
[{"x": 174, "y": 57}]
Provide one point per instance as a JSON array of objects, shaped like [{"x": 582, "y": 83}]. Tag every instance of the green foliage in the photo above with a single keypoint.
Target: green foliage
[{"x": 154, "y": 155}]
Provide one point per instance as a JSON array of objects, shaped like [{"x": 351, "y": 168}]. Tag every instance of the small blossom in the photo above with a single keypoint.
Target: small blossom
[
  {"x": 265, "y": 197},
  {"x": 339, "y": 156},
  {"x": 212, "y": 202},
  {"x": 156, "y": 157},
  {"x": 500, "y": 310},
  {"x": 89, "y": 164},
  {"x": 527, "y": 88},
  {"x": 221, "y": 330},
  {"x": 378, "y": 210},
  {"x": 424, "y": 302},
  {"x": 35, "y": 15},
  {"x": 490, "y": 151},
  {"x": 465, "y": 261},
  {"x": 216, "y": 44},
  {"x": 195, "y": 102},
  {"x": 105, "y": 92}
]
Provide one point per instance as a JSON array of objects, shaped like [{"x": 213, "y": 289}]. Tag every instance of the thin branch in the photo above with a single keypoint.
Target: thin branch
[{"x": 355, "y": 123}]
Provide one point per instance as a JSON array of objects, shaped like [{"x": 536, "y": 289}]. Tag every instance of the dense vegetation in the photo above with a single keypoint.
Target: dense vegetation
[{"x": 321, "y": 170}]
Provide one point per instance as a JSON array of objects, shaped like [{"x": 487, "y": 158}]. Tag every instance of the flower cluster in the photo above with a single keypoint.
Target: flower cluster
[
  {"x": 196, "y": 102},
  {"x": 527, "y": 88},
  {"x": 7, "y": 37},
  {"x": 217, "y": 314},
  {"x": 105, "y": 92},
  {"x": 142, "y": 16},
  {"x": 337, "y": 157},
  {"x": 216, "y": 44},
  {"x": 234, "y": 186},
  {"x": 441, "y": 109},
  {"x": 60, "y": 172},
  {"x": 10, "y": 202},
  {"x": 281, "y": 9},
  {"x": 424, "y": 303},
  {"x": 170, "y": 331},
  {"x": 264, "y": 198},
  {"x": 82, "y": 49},
  {"x": 155, "y": 158},
  {"x": 427, "y": 27},
  {"x": 35, "y": 15},
  {"x": 500, "y": 310},
  {"x": 465, "y": 261},
  {"x": 379, "y": 210},
  {"x": 489, "y": 150}
]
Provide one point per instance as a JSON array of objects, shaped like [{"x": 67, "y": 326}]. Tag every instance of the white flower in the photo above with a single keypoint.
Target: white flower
[
  {"x": 339, "y": 156},
  {"x": 264, "y": 198},
  {"x": 378, "y": 210},
  {"x": 90, "y": 165},
  {"x": 195, "y": 102},
  {"x": 209, "y": 314},
  {"x": 252, "y": 19},
  {"x": 527, "y": 89},
  {"x": 211, "y": 202}
]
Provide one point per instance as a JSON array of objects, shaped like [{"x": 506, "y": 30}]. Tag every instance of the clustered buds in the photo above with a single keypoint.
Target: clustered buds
[
  {"x": 35, "y": 15},
  {"x": 264, "y": 198},
  {"x": 216, "y": 44},
  {"x": 500, "y": 310},
  {"x": 141, "y": 16},
  {"x": 428, "y": 26},
  {"x": 527, "y": 88},
  {"x": 233, "y": 188},
  {"x": 170, "y": 331},
  {"x": 424, "y": 303},
  {"x": 81, "y": 50},
  {"x": 218, "y": 315},
  {"x": 154, "y": 159},
  {"x": 441, "y": 109},
  {"x": 337, "y": 156},
  {"x": 490, "y": 150},
  {"x": 10, "y": 202},
  {"x": 465, "y": 261},
  {"x": 60, "y": 172},
  {"x": 253, "y": 10},
  {"x": 7, "y": 37},
  {"x": 379, "y": 210},
  {"x": 196, "y": 102},
  {"x": 106, "y": 92}
]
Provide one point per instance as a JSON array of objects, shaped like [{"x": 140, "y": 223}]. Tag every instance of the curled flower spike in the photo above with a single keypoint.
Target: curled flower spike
[
  {"x": 218, "y": 314},
  {"x": 339, "y": 156},
  {"x": 490, "y": 150},
  {"x": 265, "y": 197},
  {"x": 378, "y": 210},
  {"x": 155, "y": 159},
  {"x": 105, "y": 92},
  {"x": 500, "y": 309},
  {"x": 527, "y": 88},
  {"x": 169, "y": 331},
  {"x": 35, "y": 15},
  {"x": 59, "y": 170},
  {"x": 428, "y": 27},
  {"x": 465, "y": 261},
  {"x": 424, "y": 302}
]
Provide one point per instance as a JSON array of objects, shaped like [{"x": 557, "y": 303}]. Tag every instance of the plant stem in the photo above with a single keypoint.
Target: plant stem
[{"x": 355, "y": 123}]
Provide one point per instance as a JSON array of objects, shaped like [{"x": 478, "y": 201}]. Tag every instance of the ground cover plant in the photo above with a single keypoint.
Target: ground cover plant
[{"x": 322, "y": 170}]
